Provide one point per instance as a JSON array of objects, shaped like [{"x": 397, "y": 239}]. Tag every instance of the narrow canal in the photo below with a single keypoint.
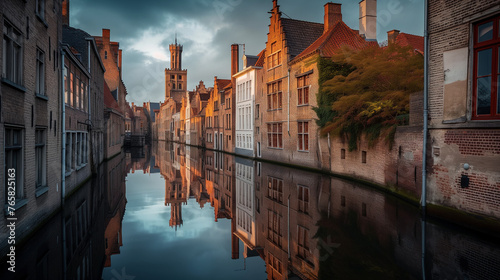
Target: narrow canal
[{"x": 177, "y": 212}]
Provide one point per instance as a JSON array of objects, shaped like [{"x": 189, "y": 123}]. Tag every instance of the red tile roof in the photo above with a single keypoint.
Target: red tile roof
[
  {"x": 221, "y": 83},
  {"x": 260, "y": 60},
  {"x": 109, "y": 100},
  {"x": 331, "y": 41},
  {"x": 416, "y": 42}
]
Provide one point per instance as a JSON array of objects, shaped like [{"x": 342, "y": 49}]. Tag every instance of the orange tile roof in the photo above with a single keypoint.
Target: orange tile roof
[
  {"x": 223, "y": 83},
  {"x": 416, "y": 42},
  {"x": 260, "y": 60},
  {"x": 331, "y": 41},
  {"x": 109, "y": 100}
]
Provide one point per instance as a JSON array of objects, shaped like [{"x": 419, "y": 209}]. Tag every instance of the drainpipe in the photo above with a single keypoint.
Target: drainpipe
[
  {"x": 63, "y": 162},
  {"x": 288, "y": 239},
  {"x": 426, "y": 107},
  {"x": 289, "y": 101}
]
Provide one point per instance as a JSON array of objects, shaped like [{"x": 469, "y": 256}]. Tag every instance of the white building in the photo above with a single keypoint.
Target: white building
[{"x": 246, "y": 85}]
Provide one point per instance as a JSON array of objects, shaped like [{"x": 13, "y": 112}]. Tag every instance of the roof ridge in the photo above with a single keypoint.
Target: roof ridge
[{"x": 302, "y": 20}]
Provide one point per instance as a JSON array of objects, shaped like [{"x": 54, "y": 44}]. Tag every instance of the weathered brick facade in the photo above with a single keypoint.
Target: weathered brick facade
[
  {"x": 26, "y": 109},
  {"x": 463, "y": 153}
]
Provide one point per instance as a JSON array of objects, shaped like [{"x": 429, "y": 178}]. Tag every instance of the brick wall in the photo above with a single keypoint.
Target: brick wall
[
  {"x": 21, "y": 107},
  {"x": 453, "y": 145}
]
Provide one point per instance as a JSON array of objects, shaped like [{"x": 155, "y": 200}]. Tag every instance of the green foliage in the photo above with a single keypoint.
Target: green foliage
[
  {"x": 327, "y": 70},
  {"x": 367, "y": 91}
]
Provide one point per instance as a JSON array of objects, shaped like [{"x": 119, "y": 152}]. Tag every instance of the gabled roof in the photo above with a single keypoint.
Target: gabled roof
[
  {"x": 338, "y": 36},
  {"x": 109, "y": 101},
  {"x": 260, "y": 60},
  {"x": 416, "y": 42},
  {"x": 228, "y": 86},
  {"x": 221, "y": 83},
  {"x": 300, "y": 34}
]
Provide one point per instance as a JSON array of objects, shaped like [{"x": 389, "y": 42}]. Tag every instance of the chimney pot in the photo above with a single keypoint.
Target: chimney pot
[
  {"x": 333, "y": 14},
  {"x": 392, "y": 35}
]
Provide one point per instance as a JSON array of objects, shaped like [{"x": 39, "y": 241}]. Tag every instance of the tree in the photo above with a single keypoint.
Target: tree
[{"x": 373, "y": 97}]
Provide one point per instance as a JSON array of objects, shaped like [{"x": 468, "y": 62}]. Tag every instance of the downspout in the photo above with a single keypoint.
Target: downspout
[
  {"x": 63, "y": 162},
  {"x": 288, "y": 101},
  {"x": 288, "y": 239},
  {"x": 426, "y": 107}
]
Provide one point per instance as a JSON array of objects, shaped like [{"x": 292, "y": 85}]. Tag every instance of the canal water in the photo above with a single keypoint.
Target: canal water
[{"x": 176, "y": 212}]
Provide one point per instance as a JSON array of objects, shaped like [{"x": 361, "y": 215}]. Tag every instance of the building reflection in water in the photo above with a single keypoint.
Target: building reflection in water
[{"x": 302, "y": 225}]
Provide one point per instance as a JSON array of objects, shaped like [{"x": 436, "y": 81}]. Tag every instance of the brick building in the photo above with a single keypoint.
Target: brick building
[
  {"x": 88, "y": 54},
  {"x": 113, "y": 121},
  {"x": 30, "y": 123},
  {"x": 463, "y": 149}
]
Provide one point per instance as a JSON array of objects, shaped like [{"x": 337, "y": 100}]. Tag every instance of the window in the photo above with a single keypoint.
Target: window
[
  {"x": 486, "y": 102},
  {"x": 275, "y": 189},
  {"x": 180, "y": 77},
  {"x": 68, "y": 152},
  {"x": 40, "y": 157},
  {"x": 257, "y": 111},
  {"x": 12, "y": 66},
  {"x": 303, "y": 139},
  {"x": 363, "y": 157},
  {"x": 303, "y": 197},
  {"x": 303, "y": 89},
  {"x": 40, "y": 72},
  {"x": 40, "y": 8},
  {"x": 173, "y": 85},
  {"x": 342, "y": 154},
  {"x": 342, "y": 201},
  {"x": 274, "y": 96},
  {"x": 66, "y": 85},
  {"x": 274, "y": 228},
  {"x": 302, "y": 242},
  {"x": 275, "y": 135},
  {"x": 105, "y": 54},
  {"x": 71, "y": 88},
  {"x": 14, "y": 160},
  {"x": 180, "y": 86},
  {"x": 274, "y": 59},
  {"x": 275, "y": 264}
]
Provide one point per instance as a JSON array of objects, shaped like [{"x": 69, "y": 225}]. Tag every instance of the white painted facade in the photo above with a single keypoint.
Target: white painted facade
[
  {"x": 245, "y": 210},
  {"x": 246, "y": 85}
]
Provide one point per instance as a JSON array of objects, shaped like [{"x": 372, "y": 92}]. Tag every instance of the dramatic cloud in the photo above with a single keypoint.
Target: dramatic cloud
[{"x": 206, "y": 29}]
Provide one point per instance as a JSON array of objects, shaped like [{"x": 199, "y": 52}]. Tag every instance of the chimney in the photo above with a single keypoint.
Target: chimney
[
  {"x": 333, "y": 14},
  {"x": 105, "y": 35},
  {"x": 65, "y": 12},
  {"x": 234, "y": 60},
  {"x": 392, "y": 35},
  {"x": 368, "y": 19},
  {"x": 120, "y": 61}
]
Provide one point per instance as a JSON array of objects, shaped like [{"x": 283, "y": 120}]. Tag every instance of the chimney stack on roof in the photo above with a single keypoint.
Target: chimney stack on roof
[
  {"x": 65, "y": 12},
  {"x": 392, "y": 35},
  {"x": 333, "y": 14},
  {"x": 368, "y": 19},
  {"x": 234, "y": 60},
  {"x": 105, "y": 35}
]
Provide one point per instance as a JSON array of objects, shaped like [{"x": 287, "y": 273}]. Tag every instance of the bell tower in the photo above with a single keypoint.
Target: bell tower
[{"x": 175, "y": 76}]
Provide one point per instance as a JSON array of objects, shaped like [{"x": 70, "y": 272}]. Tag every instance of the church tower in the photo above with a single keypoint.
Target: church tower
[{"x": 175, "y": 76}]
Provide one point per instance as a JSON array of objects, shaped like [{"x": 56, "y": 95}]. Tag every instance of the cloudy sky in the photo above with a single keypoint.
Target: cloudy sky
[{"x": 206, "y": 29}]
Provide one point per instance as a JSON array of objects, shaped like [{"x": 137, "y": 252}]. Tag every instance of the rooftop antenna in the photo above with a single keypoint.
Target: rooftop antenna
[{"x": 176, "y": 38}]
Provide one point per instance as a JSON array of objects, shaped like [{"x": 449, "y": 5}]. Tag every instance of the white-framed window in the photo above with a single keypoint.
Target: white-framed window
[
  {"x": 12, "y": 62},
  {"x": 302, "y": 242},
  {"x": 40, "y": 157},
  {"x": 40, "y": 72},
  {"x": 14, "y": 162}
]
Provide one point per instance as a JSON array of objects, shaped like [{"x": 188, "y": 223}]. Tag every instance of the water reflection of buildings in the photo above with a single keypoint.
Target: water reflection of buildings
[
  {"x": 309, "y": 226},
  {"x": 79, "y": 240},
  {"x": 117, "y": 169}
]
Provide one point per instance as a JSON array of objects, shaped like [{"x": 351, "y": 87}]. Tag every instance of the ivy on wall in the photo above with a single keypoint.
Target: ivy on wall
[{"x": 367, "y": 92}]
